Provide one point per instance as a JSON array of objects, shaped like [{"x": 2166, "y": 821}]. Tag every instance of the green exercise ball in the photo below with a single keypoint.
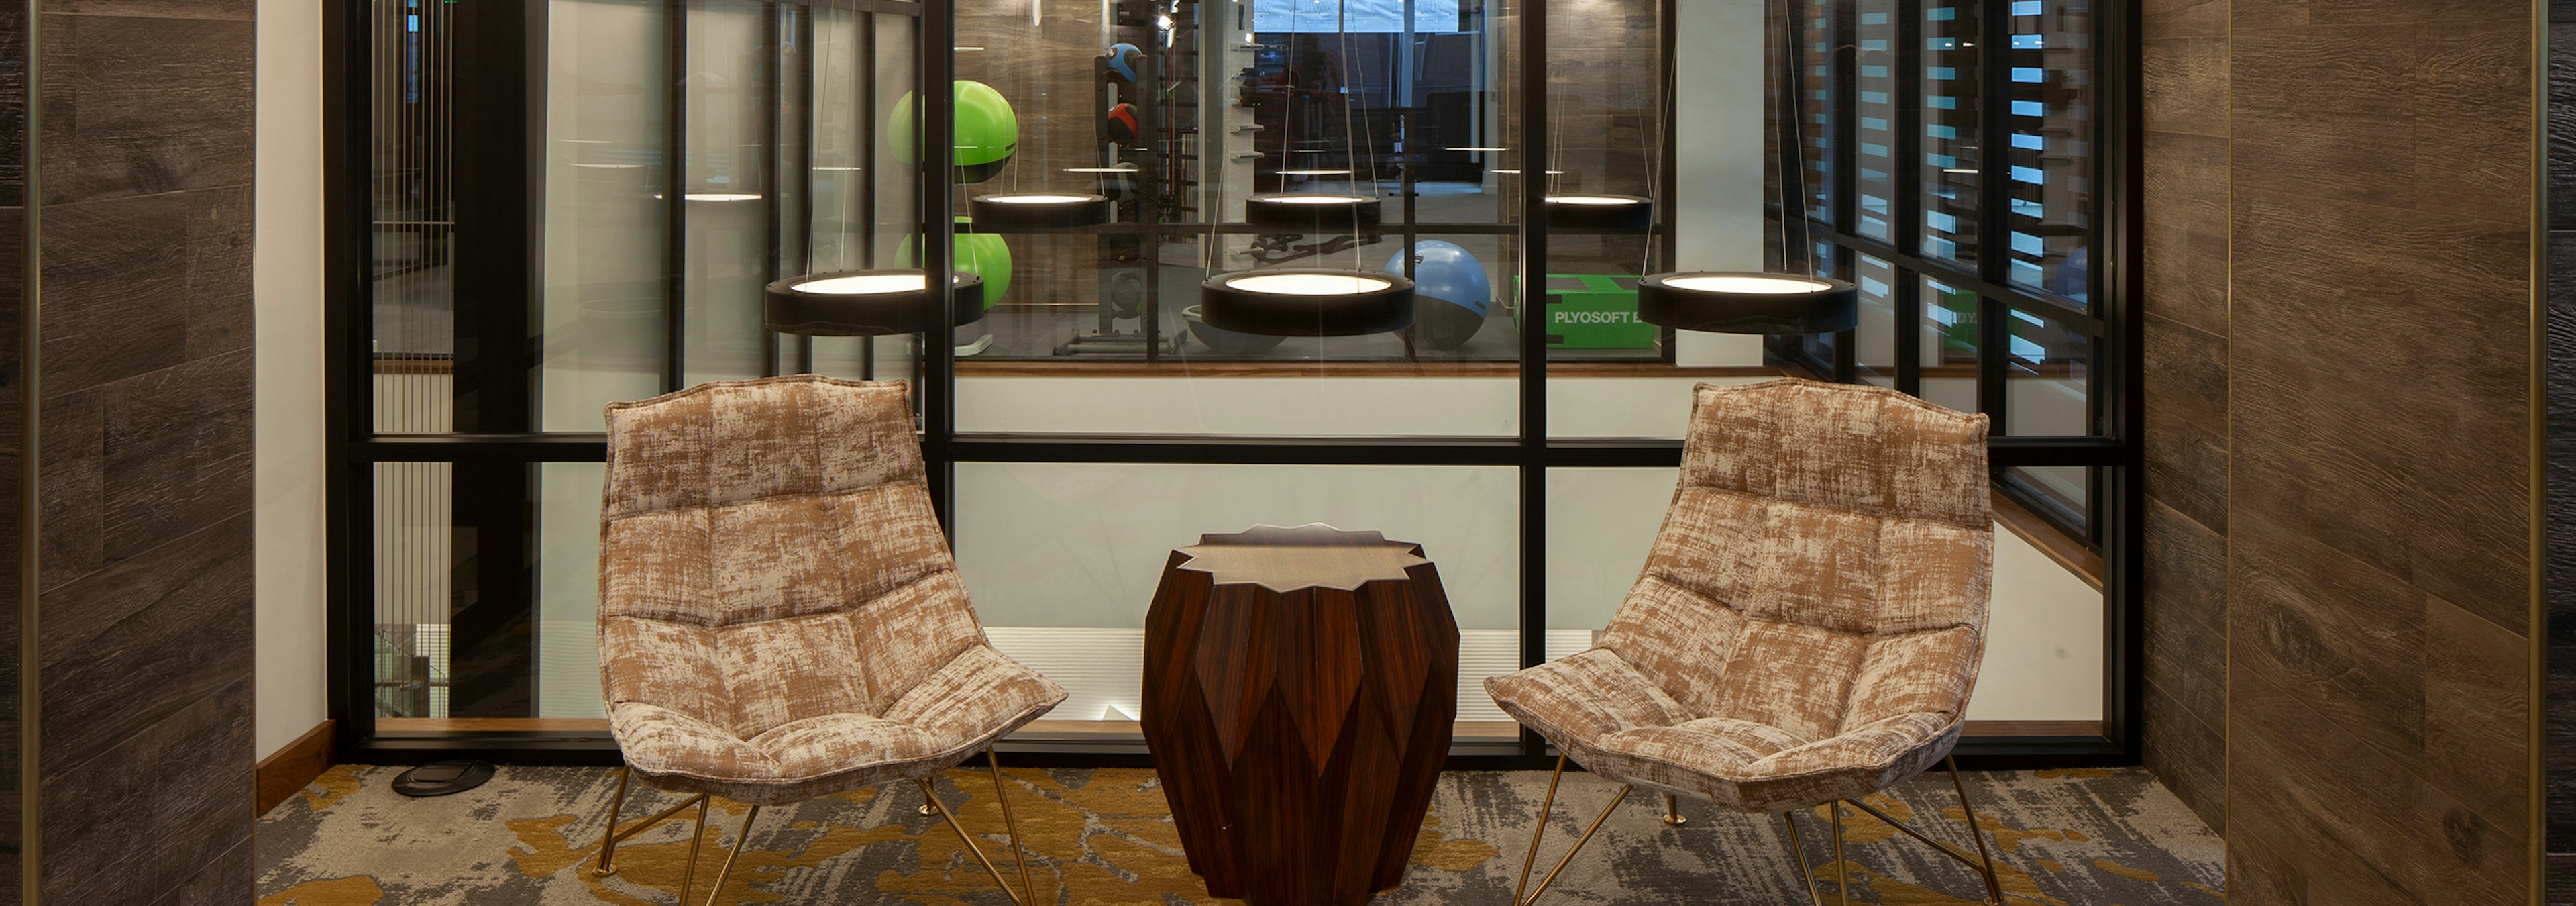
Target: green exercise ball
[
  {"x": 982, "y": 254},
  {"x": 987, "y": 131}
]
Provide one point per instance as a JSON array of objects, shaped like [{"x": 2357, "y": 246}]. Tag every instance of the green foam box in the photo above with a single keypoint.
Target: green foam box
[{"x": 1593, "y": 311}]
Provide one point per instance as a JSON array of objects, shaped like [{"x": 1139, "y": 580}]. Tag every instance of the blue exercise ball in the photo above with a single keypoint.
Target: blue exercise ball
[
  {"x": 1121, "y": 61},
  {"x": 1450, "y": 293}
]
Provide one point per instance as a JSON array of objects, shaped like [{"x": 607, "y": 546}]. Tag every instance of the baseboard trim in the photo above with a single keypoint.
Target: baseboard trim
[{"x": 289, "y": 769}]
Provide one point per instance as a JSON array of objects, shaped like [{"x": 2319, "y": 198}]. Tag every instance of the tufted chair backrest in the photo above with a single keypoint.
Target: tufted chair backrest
[
  {"x": 1825, "y": 563},
  {"x": 768, "y": 554}
]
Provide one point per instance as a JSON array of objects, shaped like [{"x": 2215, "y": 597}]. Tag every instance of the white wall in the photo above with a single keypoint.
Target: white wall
[
  {"x": 1717, "y": 85},
  {"x": 286, "y": 277}
]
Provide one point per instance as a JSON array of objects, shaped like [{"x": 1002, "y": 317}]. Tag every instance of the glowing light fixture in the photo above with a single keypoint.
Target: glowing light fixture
[
  {"x": 1599, "y": 212},
  {"x": 1478, "y": 149},
  {"x": 1739, "y": 302},
  {"x": 864, "y": 303},
  {"x": 1517, "y": 172},
  {"x": 720, "y": 196},
  {"x": 1018, "y": 211},
  {"x": 1122, "y": 168},
  {"x": 1314, "y": 172},
  {"x": 1290, "y": 302},
  {"x": 1312, "y": 212}
]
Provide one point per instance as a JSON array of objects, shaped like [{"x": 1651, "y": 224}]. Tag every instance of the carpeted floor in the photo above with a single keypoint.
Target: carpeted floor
[{"x": 2067, "y": 838}]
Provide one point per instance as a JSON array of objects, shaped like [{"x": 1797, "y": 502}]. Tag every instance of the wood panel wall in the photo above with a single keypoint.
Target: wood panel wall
[
  {"x": 2185, "y": 57},
  {"x": 2379, "y": 431},
  {"x": 2561, "y": 569},
  {"x": 13, "y": 272},
  {"x": 144, "y": 440}
]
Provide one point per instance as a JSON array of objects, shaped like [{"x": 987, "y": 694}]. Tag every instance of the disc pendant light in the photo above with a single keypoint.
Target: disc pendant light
[
  {"x": 1014, "y": 212},
  {"x": 1307, "y": 302},
  {"x": 1599, "y": 212},
  {"x": 1766, "y": 302},
  {"x": 1738, "y": 302},
  {"x": 1312, "y": 212},
  {"x": 864, "y": 303}
]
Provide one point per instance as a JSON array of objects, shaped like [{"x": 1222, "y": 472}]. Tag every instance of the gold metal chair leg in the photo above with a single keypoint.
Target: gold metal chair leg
[
  {"x": 1019, "y": 850},
  {"x": 690, "y": 873},
  {"x": 608, "y": 835},
  {"x": 1842, "y": 869},
  {"x": 1673, "y": 811},
  {"x": 612, "y": 836},
  {"x": 1994, "y": 885},
  {"x": 928, "y": 793},
  {"x": 1806, "y": 875},
  {"x": 1545, "y": 808},
  {"x": 727, "y": 871},
  {"x": 1622, "y": 796}
]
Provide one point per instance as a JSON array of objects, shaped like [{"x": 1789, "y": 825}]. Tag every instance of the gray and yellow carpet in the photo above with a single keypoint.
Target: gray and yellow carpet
[{"x": 2093, "y": 838}]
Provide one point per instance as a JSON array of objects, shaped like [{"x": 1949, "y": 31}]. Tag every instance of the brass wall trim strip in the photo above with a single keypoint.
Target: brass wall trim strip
[{"x": 30, "y": 399}]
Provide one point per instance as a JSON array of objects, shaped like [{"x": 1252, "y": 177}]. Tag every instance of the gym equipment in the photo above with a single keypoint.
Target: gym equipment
[
  {"x": 1121, "y": 124},
  {"x": 1120, "y": 62},
  {"x": 984, "y": 255},
  {"x": 988, "y": 132},
  {"x": 1450, "y": 293},
  {"x": 1590, "y": 311}
]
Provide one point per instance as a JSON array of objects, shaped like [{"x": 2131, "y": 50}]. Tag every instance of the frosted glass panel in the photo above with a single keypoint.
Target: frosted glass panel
[
  {"x": 603, "y": 325},
  {"x": 1063, "y": 559},
  {"x": 567, "y": 539}
]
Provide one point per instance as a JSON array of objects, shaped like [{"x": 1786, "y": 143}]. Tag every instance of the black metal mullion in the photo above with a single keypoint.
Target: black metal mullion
[
  {"x": 1844, "y": 57},
  {"x": 938, "y": 128},
  {"x": 1905, "y": 292},
  {"x": 774, "y": 24},
  {"x": 675, "y": 210},
  {"x": 808, "y": 52},
  {"x": 1994, "y": 203},
  {"x": 347, "y": 324},
  {"x": 2119, "y": 291},
  {"x": 1533, "y": 372}
]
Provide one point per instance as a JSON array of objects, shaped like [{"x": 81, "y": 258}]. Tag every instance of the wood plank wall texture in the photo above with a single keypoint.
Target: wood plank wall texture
[
  {"x": 144, "y": 566},
  {"x": 2338, "y": 281},
  {"x": 2340, "y": 427},
  {"x": 2185, "y": 187},
  {"x": 2562, "y": 454}
]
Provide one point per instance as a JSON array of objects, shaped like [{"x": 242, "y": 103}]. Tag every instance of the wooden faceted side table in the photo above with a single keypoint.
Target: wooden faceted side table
[{"x": 1300, "y": 685}]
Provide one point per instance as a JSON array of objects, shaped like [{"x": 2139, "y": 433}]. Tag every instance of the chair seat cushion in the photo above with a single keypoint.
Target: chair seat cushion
[
  {"x": 974, "y": 699},
  {"x": 1609, "y": 718}
]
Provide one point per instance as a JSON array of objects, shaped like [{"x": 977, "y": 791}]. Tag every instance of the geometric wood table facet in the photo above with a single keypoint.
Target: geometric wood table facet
[{"x": 1300, "y": 685}]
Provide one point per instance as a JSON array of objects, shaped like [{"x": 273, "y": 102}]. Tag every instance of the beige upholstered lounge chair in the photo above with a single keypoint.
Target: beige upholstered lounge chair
[
  {"x": 1808, "y": 626},
  {"x": 779, "y": 618}
]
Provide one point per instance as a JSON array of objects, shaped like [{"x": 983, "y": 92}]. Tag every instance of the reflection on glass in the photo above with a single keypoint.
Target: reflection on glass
[
  {"x": 1875, "y": 154},
  {"x": 1813, "y": 108},
  {"x": 2050, "y": 159},
  {"x": 724, "y": 181},
  {"x": 1951, "y": 106},
  {"x": 1820, "y": 347},
  {"x": 2048, "y": 374},
  {"x": 1875, "y": 342},
  {"x": 1949, "y": 353},
  {"x": 603, "y": 326},
  {"x": 1062, "y": 559},
  {"x": 2064, "y": 494}
]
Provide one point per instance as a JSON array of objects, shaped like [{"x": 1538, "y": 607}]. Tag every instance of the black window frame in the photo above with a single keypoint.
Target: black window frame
[{"x": 513, "y": 32}]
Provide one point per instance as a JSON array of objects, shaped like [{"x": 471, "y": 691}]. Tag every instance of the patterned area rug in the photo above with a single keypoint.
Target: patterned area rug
[{"x": 2084, "y": 837}]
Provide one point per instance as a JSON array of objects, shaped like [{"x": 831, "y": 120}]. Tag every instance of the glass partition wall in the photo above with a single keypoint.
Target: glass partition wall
[{"x": 576, "y": 202}]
